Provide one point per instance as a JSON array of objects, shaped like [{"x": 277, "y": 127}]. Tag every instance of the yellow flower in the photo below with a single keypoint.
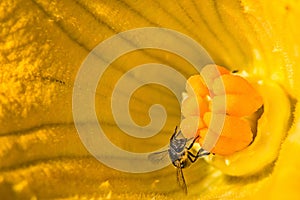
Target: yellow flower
[{"x": 42, "y": 45}]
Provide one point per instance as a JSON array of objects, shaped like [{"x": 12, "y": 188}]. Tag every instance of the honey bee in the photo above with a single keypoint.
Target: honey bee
[{"x": 180, "y": 154}]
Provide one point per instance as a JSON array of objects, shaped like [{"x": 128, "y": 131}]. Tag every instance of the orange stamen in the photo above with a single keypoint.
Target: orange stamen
[
  {"x": 233, "y": 85},
  {"x": 210, "y": 72},
  {"x": 194, "y": 106},
  {"x": 235, "y": 136},
  {"x": 241, "y": 100},
  {"x": 190, "y": 125},
  {"x": 236, "y": 104},
  {"x": 196, "y": 86}
]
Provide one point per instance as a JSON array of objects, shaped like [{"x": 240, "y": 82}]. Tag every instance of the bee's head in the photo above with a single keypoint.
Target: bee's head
[{"x": 183, "y": 162}]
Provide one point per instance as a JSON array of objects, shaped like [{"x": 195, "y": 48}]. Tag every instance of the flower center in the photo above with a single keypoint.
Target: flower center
[{"x": 243, "y": 107}]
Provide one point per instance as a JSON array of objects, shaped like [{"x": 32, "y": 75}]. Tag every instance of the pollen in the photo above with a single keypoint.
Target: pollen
[
  {"x": 235, "y": 136},
  {"x": 242, "y": 101},
  {"x": 196, "y": 86},
  {"x": 194, "y": 106}
]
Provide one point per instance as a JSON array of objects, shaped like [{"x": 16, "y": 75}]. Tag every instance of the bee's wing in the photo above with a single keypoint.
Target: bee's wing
[
  {"x": 160, "y": 157},
  {"x": 180, "y": 178}
]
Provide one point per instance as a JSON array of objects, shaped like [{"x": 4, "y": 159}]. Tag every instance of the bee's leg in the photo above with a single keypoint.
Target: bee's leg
[
  {"x": 175, "y": 131},
  {"x": 200, "y": 154},
  {"x": 191, "y": 145},
  {"x": 174, "y": 134},
  {"x": 192, "y": 157}
]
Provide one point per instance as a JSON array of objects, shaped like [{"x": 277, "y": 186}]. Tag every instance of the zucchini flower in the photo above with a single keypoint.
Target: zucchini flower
[{"x": 43, "y": 46}]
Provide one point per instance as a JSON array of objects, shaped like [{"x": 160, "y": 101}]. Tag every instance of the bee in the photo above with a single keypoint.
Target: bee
[{"x": 180, "y": 154}]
